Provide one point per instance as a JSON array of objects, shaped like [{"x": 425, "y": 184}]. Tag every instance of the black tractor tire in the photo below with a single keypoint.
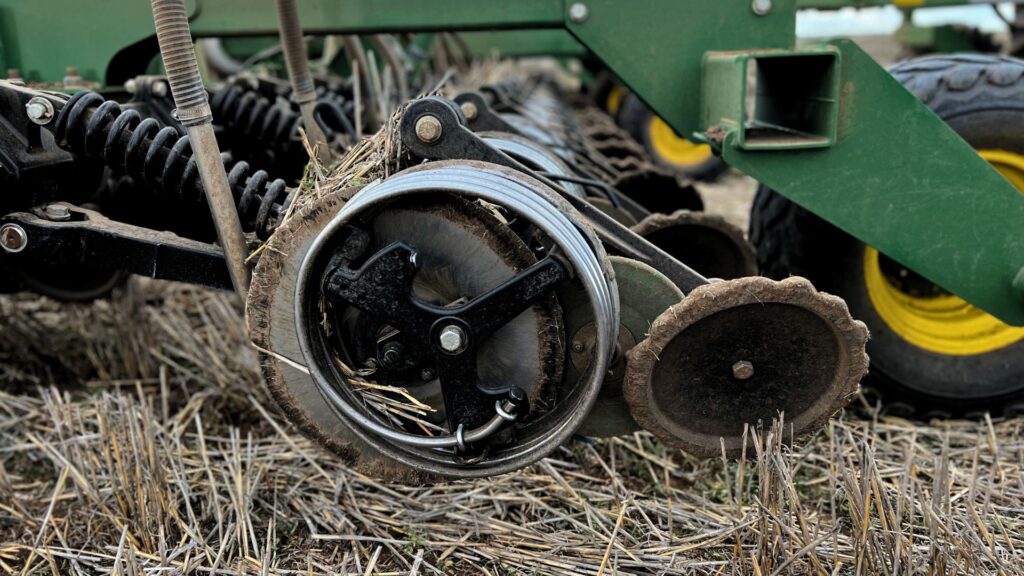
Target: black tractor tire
[
  {"x": 982, "y": 98},
  {"x": 635, "y": 117}
]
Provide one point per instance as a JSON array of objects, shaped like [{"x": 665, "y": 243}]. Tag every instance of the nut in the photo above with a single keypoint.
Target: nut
[
  {"x": 743, "y": 370},
  {"x": 39, "y": 110},
  {"x": 429, "y": 129},
  {"x": 57, "y": 212},
  {"x": 469, "y": 110}
]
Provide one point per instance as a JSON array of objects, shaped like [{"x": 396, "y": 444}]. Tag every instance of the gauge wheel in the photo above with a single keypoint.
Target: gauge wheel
[
  {"x": 665, "y": 146},
  {"x": 932, "y": 353}
]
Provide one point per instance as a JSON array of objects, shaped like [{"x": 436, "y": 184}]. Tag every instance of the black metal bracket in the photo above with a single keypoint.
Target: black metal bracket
[
  {"x": 485, "y": 118},
  {"x": 457, "y": 142},
  {"x": 86, "y": 237},
  {"x": 383, "y": 288}
]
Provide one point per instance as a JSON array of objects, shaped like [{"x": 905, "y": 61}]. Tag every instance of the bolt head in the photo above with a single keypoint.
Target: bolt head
[
  {"x": 579, "y": 12},
  {"x": 743, "y": 370},
  {"x": 130, "y": 86},
  {"x": 452, "y": 339},
  {"x": 429, "y": 129},
  {"x": 762, "y": 7},
  {"x": 426, "y": 375},
  {"x": 470, "y": 111},
  {"x": 40, "y": 110},
  {"x": 57, "y": 212},
  {"x": 13, "y": 238},
  {"x": 159, "y": 89},
  {"x": 577, "y": 347}
]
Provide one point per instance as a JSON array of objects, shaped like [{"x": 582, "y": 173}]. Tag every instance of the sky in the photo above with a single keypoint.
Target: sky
[{"x": 880, "y": 21}]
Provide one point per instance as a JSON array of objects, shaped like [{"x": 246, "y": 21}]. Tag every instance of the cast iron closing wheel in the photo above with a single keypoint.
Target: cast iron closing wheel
[
  {"x": 932, "y": 354},
  {"x": 741, "y": 352},
  {"x": 706, "y": 242}
]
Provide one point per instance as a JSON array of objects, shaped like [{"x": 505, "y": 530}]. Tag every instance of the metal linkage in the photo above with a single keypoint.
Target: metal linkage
[
  {"x": 78, "y": 237},
  {"x": 450, "y": 139}
]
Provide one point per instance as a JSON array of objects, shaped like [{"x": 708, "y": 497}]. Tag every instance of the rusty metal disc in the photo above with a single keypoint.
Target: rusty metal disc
[
  {"x": 644, "y": 293},
  {"x": 708, "y": 243},
  {"x": 741, "y": 352}
]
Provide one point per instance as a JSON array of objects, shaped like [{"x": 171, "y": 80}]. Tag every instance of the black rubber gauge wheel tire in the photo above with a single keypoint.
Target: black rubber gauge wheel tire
[
  {"x": 667, "y": 148},
  {"x": 960, "y": 372}
]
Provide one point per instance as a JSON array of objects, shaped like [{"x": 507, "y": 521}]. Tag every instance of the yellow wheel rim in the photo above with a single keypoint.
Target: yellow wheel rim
[
  {"x": 673, "y": 149},
  {"x": 944, "y": 324},
  {"x": 614, "y": 99}
]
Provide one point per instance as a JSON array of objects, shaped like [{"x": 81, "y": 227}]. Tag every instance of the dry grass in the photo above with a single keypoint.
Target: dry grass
[{"x": 136, "y": 439}]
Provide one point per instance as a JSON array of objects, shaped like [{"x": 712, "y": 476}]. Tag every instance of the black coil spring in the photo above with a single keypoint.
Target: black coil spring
[
  {"x": 267, "y": 131},
  {"x": 161, "y": 159}
]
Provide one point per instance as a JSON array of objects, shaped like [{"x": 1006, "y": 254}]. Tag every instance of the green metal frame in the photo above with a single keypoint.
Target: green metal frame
[
  {"x": 837, "y": 4},
  {"x": 893, "y": 175}
]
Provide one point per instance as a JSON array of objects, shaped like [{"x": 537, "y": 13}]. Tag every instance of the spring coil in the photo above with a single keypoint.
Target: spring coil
[
  {"x": 247, "y": 113},
  {"x": 267, "y": 133},
  {"x": 161, "y": 159}
]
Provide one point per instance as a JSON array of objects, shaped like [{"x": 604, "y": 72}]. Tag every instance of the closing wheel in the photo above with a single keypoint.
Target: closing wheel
[
  {"x": 932, "y": 353},
  {"x": 705, "y": 242},
  {"x": 412, "y": 330},
  {"x": 741, "y": 352}
]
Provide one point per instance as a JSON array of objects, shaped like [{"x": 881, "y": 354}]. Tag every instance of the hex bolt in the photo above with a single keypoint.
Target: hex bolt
[
  {"x": 426, "y": 375},
  {"x": 743, "y": 370},
  {"x": 13, "y": 238},
  {"x": 72, "y": 79},
  {"x": 131, "y": 85},
  {"x": 429, "y": 129},
  {"x": 452, "y": 339},
  {"x": 469, "y": 110},
  {"x": 579, "y": 12},
  {"x": 159, "y": 89},
  {"x": 39, "y": 110},
  {"x": 762, "y": 7},
  {"x": 57, "y": 212}
]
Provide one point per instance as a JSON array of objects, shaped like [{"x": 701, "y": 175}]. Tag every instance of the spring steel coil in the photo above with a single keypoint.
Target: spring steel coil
[{"x": 161, "y": 159}]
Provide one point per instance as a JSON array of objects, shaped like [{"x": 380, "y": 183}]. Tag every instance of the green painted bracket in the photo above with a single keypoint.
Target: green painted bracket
[
  {"x": 773, "y": 100},
  {"x": 657, "y": 47},
  {"x": 902, "y": 181},
  {"x": 44, "y": 37}
]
